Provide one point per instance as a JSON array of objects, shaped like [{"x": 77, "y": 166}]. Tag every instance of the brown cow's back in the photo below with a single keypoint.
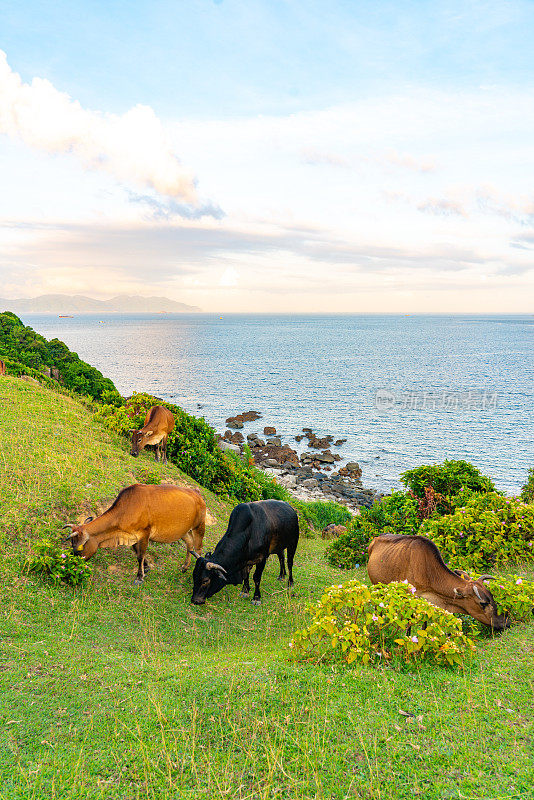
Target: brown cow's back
[
  {"x": 160, "y": 419},
  {"x": 398, "y": 557},
  {"x": 164, "y": 510}
]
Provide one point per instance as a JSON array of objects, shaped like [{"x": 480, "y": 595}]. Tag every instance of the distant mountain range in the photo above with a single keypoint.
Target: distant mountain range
[{"x": 79, "y": 304}]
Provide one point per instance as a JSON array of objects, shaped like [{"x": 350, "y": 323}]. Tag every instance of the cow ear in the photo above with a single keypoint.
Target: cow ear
[{"x": 458, "y": 592}]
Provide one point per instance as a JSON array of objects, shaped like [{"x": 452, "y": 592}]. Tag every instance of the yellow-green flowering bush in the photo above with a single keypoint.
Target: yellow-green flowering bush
[
  {"x": 514, "y": 596},
  {"x": 51, "y": 562},
  {"x": 490, "y": 530},
  {"x": 377, "y": 624}
]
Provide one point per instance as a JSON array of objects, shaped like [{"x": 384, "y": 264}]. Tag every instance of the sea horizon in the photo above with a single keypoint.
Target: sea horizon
[{"x": 403, "y": 388}]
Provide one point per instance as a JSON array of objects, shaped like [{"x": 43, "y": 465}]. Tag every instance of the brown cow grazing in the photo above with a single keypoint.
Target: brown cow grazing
[
  {"x": 143, "y": 514},
  {"x": 417, "y": 560},
  {"x": 159, "y": 422},
  {"x": 2, "y": 367}
]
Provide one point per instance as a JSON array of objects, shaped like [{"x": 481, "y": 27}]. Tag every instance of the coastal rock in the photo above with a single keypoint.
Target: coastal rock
[
  {"x": 274, "y": 442},
  {"x": 249, "y": 416},
  {"x": 233, "y": 448},
  {"x": 269, "y": 431},
  {"x": 354, "y": 469},
  {"x": 325, "y": 458},
  {"x": 339, "y": 442},
  {"x": 310, "y": 483},
  {"x": 233, "y": 422}
]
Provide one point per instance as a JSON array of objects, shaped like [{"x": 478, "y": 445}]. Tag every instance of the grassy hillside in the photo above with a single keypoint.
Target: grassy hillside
[{"x": 111, "y": 691}]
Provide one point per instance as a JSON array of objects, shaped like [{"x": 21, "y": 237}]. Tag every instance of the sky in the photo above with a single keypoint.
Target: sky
[{"x": 270, "y": 155}]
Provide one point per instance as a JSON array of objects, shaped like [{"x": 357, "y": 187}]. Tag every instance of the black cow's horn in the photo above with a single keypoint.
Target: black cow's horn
[{"x": 212, "y": 565}]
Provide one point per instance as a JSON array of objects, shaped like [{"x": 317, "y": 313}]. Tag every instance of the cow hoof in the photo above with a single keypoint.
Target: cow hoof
[
  {"x": 256, "y": 602},
  {"x": 184, "y": 569},
  {"x": 245, "y": 594},
  {"x": 138, "y": 581},
  {"x": 281, "y": 578}
]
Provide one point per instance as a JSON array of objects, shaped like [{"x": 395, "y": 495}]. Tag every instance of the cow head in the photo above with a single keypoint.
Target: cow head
[
  {"x": 139, "y": 441},
  {"x": 474, "y": 598},
  {"x": 82, "y": 544},
  {"x": 208, "y": 579}
]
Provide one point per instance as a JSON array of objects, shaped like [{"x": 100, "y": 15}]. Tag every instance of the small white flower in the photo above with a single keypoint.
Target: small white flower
[
  {"x": 381, "y": 605},
  {"x": 415, "y": 639},
  {"x": 519, "y": 581}
]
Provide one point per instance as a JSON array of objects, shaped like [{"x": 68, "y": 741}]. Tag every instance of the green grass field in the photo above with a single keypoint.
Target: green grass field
[{"x": 111, "y": 691}]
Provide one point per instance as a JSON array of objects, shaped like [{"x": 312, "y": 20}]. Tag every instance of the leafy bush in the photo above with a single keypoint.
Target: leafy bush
[
  {"x": 22, "y": 345},
  {"x": 447, "y": 479},
  {"x": 527, "y": 492},
  {"x": 514, "y": 596},
  {"x": 488, "y": 531},
  {"x": 380, "y": 623},
  {"x": 320, "y": 514},
  {"x": 397, "y": 513},
  {"x": 57, "y": 566}
]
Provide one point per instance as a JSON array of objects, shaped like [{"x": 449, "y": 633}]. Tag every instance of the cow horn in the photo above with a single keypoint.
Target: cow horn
[
  {"x": 71, "y": 536},
  {"x": 487, "y": 578},
  {"x": 477, "y": 592},
  {"x": 194, "y": 553},
  {"x": 68, "y": 525},
  {"x": 212, "y": 565}
]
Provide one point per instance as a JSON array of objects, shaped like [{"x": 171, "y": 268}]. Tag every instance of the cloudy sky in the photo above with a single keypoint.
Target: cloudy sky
[{"x": 270, "y": 155}]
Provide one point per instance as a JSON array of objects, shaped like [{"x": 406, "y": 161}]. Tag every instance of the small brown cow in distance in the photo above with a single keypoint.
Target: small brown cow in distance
[
  {"x": 143, "y": 514},
  {"x": 159, "y": 422},
  {"x": 398, "y": 557}
]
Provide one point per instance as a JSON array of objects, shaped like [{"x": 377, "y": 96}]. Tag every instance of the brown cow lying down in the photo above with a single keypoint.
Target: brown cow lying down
[
  {"x": 417, "y": 560},
  {"x": 143, "y": 514}
]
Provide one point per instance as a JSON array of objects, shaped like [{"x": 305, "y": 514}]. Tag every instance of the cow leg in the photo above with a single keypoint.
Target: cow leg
[
  {"x": 290, "y": 556},
  {"x": 282, "y": 566},
  {"x": 189, "y": 543},
  {"x": 256, "y": 600},
  {"x": 164, "y": 441},
  {"x": 140, "y": 550},
  {"x": 245, "y": 591},
  {"x": 156, "y": 452}
]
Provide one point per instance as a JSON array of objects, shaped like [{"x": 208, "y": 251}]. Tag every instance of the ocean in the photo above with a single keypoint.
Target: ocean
[{"x": 402, "y": 389}]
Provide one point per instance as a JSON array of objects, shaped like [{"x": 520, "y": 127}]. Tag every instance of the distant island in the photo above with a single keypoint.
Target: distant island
[{"x": 65, "y": 305}]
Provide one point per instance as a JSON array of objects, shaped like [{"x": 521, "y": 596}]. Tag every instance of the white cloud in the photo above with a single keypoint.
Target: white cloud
[{"x": 133, "y": 147}]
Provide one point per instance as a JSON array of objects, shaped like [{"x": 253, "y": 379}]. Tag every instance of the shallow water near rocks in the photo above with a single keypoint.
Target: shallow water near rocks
[{"x": 403, "y": 389}]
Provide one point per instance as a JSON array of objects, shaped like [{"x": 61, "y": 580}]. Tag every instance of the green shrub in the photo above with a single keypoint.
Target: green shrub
[
  {"x": 396, "y": 513},
  {"x": 514, "y": 596},
  {"x": 527, "y": 492},
  {"x": 447, "y": 479},
  {"x": 51, "y": 562},
  {"x": 22, "y": 345},
  {"x": 353, "y": 622},
  {"x": 319, "y": 513},
  {"x": 490, "y": 530}
]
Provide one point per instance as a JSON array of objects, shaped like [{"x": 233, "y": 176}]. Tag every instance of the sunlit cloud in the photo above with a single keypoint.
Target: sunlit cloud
[{"x": 133, "y": 147}]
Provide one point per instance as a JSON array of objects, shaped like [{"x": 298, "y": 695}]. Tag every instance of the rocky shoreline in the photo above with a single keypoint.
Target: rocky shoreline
[{"x": 312, "y": 475}]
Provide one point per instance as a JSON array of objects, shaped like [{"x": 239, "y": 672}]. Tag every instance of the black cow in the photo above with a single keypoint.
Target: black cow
[{"x": 255, "y": 530}]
